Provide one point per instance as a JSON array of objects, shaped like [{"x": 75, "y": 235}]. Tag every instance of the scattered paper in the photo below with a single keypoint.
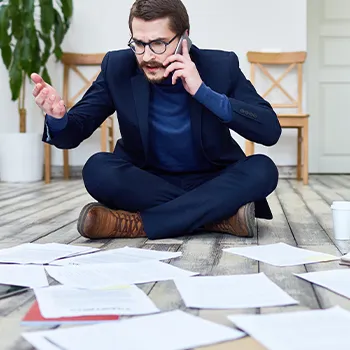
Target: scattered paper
[
  {"x": 281, "y": 254},
  {"x": 227, "y": 292},
  {"x": 173, "y": 330},
  {"x": 346, "y": 258},
  {"x": 106, "y": 275},
  {"x": 38, "y": 341},
  {"x": 337, "y": 281},
  {"x": 309, "y": 330},
  {"x": 119, "y": 255},
  {"x": 34, "y": 253},
  {"x": 62, "y": 301},
  {"x": 23, "y": 275}
]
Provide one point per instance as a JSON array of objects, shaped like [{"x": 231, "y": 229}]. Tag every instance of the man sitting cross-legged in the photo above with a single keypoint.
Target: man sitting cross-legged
[{"x": 176, "y": 168}]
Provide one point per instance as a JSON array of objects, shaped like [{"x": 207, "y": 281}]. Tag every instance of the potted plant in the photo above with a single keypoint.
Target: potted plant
[{"x": 30, "y": 32}]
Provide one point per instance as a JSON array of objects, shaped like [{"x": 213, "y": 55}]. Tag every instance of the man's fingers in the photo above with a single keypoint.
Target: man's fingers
[
  {"x": 48, "y": 103},
  {"x": 42, "y": 96},
  {"x": 172, "y": 58},
  {"x": 178, "y": 74},
  {"x": 59, "y": 109},
  {"x": 172, "y": 67},
  {"x": 37, "y": 89},
  {"x": 37, "y": 79}
]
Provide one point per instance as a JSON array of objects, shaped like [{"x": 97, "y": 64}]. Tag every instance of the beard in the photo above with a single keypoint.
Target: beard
[{"x": 152, "y": 77}]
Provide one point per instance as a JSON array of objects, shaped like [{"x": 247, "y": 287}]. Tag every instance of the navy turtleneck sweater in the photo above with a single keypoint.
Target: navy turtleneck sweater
[{"x": 171, "y": 143}]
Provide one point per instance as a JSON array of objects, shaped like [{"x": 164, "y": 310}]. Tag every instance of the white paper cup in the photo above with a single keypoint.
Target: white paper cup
[{"x": 341, "y": 220}]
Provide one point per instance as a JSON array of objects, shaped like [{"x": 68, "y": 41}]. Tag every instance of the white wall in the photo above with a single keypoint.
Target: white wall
[{"x": 235, "y": 25}]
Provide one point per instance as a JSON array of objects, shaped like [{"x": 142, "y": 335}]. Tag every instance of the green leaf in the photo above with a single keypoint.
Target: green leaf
[
  {"x": 47, "y": 15},
  {"x": 16, "y": 16},
  {"x": 26, "y": 56},
  {"x": 4, "y": 26},
  {"x": 58, "y": 53},
  {"x": 67, "y": 9},
  {"x": 16, "y": 72},
  {"x": 35, "y": 51},
  {"x": 6, "y": 54},
  {"x": 59, "y": 29},
  {"x": 28, "y": 6},
  {"x": 45, "y": 75},
  {"x": 47, "y": 48}
]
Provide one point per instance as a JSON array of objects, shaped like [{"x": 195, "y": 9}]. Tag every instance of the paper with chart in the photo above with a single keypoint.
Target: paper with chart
[
  {"x": 281, "y": 254},
  {"x": 301, "y": 330},
  {"x": 174, "y": 330},
  {"x": 33, "y": 276},
  {"x": 62, "y": 301},
  {"x": 120, "y": 255},
  {"x": 34, "y": 253},
  {"x": 227, "y": 292},
  {"x": 105, "y": 275},
  {"x": 337, "y": 281}
]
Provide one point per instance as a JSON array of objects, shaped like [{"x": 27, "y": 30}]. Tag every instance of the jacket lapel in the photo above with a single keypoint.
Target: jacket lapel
[{"x": 141, "y": 92}]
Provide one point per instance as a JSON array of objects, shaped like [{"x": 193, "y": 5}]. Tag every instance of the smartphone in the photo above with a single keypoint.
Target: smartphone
[
  {"x": 178, "y": 49},
  {"x": 7, "y": 290}
]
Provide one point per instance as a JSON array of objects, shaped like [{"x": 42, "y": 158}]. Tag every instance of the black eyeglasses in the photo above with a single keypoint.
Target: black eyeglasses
[{"x": 156, "y": 46}]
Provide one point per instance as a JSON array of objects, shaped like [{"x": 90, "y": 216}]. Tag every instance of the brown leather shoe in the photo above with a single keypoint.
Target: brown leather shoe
[
  {"x": 97, "y": 221},
  {"x": 242, "y": 224}
]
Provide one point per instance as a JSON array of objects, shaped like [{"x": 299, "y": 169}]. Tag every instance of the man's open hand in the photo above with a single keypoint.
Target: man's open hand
[
  {"x": 47, "y": 98},
  {"x": 185, "y": 69}
]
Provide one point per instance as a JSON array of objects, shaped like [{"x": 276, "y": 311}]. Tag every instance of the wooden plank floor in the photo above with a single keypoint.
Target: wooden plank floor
[{"x": 302, "y": 217}]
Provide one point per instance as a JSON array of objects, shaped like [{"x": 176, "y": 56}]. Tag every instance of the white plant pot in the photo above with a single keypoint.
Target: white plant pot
[{"x": 21, "y": 157}]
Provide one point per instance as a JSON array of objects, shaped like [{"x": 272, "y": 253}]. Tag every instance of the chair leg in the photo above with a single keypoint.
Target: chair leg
[
  {"x": 65, "y": 164},
  {"x": 306, "y": 153},
  {"x": 111, "y": 136},
  {"x": 249, "y": 148},
  {"x": 299, "y": 155},
  {"x": 47, "y": 170}
]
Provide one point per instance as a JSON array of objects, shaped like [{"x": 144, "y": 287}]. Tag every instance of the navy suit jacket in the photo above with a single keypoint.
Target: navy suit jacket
[{"x": 121, "y": 86}]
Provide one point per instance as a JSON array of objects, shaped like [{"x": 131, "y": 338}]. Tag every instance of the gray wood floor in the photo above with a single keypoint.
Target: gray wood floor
[{"x": 302, "y": 217}]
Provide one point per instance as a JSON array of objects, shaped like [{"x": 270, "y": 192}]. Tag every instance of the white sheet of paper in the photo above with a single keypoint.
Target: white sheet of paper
[
  {"x": 62, "y": 301},
  {"x": 119, "y": 255},
  {"x": 38, "y": 341},
  {"x": 337, "y": 281},
  {"x": 174, "y": 330},
  {"x": 33, "y": 276},
  {"x": 301, "y": 330},
  {"x": 346, "y": 257},
  {"x": 34, "y": 253},
  {"x": 281, "y": 254},
  {"x": 227, "y": 292},
  {"x": 106, "y": 275}
]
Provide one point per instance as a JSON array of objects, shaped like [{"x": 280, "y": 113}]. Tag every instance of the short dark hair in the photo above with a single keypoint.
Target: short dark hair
[{"x": 149, "y": 10}]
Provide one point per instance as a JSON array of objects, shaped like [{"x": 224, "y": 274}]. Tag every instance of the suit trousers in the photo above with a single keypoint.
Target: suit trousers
[{"x": 176, "y": 204}]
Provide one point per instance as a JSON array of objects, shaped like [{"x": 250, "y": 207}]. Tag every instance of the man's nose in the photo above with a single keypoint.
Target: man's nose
[{"x": 148, "y": 54}]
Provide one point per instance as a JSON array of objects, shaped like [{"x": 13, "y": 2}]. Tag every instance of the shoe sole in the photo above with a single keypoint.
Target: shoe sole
[
  {"x": 249, "y": 215},
  {"x": 82, "y": 216}
]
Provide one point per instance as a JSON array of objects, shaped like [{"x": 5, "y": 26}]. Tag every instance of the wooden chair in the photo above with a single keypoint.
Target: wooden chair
[
  {"x": 72, "y": 62},
  {"x": 297, "y": 120}
]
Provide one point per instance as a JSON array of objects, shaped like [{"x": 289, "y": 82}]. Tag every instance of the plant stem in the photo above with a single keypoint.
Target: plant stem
[{"x": 21, "y": 108}]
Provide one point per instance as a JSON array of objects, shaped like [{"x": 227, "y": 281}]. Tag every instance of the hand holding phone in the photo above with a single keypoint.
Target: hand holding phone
[
  {"x": 178, "y": 49},
  {"x": 180, "y": 65}
]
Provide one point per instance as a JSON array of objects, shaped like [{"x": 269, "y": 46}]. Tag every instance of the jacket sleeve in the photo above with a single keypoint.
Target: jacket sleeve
[
  {"x": 85, "y": 116},
  {"x": 252, "y": 116}
]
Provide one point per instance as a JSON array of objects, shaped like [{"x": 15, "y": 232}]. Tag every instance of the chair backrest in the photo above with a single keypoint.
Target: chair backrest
[
  {"x": 292, "y": 60},
  {"x": 75, "y": 62}
]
